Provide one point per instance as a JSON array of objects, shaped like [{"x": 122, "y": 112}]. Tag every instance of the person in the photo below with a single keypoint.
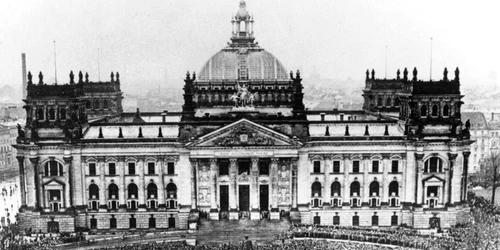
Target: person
[{"x": 247, "y": 244}]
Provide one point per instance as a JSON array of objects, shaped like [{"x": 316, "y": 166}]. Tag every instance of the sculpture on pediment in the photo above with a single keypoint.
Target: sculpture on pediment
[{"x": 243, "y": 136}]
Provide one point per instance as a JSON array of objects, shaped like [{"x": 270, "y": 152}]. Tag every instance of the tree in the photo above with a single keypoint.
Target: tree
[{"x": 489, "y": 174}]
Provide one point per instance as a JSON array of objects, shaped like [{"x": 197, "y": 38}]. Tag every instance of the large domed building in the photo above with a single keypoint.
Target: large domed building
[{"x": 244, "y": 147}]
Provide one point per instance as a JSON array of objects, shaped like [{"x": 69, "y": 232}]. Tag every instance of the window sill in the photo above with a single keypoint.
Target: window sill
[{"x": 318, "y": 173}]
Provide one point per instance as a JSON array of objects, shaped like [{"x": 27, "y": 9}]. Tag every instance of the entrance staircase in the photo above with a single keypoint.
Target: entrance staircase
[{"x": 234, "y": 231}]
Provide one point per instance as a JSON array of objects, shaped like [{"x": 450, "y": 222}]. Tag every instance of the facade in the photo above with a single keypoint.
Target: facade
[
  {"x": 482, "y": 136},
  {"x": 244, "y": 147}
]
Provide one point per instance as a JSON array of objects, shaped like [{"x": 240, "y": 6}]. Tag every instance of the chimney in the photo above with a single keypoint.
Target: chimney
[{"x": 25, "y": 82}]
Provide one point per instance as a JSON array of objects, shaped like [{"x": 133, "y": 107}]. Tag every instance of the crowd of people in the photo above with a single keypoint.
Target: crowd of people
[
  {"x": 13, "y": 240},
  {"x": 396, "y": 237},
  {"x": 291, "y": 245}
]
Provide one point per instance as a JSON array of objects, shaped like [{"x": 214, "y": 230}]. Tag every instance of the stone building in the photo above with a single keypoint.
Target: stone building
[
  {"x": 244, "y": 147},
  {"x": 481, "y": 135}
]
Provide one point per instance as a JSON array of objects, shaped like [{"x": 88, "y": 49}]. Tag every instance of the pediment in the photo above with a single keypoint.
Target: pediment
[
  {"x": 433, "y": 179},
  {"x": 244, "y": 133},
  {"x": 53, "y": 185}
]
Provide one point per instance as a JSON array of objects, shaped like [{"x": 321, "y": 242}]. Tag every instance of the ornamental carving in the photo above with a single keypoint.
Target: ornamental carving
[
  {"x": 243, "y": 136},
  {"x": 204, "y": 177},
  {"x": 283, "y": 179},
  {"x": 244, "y": 177},
  {"x": 204, "y": 196}
]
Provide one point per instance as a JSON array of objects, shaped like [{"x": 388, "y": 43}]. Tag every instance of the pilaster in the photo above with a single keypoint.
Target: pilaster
[
  {"x": 419, "y": 189},
  {"x": 254, "y": 190},
  {"x": 328, "y": 169},
  {"x": 466, "y": 175},
  {"x": 22, "y": 182},
  {"x": 69, "y": 189},
  {"x": 452, "y": 157},
  {"x": 194, "y": 205}
]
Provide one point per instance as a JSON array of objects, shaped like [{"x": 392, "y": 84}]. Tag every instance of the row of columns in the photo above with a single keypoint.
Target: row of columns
[{"x": 233, "y": 183}]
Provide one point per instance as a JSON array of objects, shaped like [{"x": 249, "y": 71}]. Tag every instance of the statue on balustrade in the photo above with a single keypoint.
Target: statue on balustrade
[{"x": 242, "y": 98}]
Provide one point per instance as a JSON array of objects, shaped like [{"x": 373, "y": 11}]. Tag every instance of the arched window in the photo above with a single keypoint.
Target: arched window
[
  {"x": 316, "y": 189},
  {"x": 152, "y": 191},
  {"x": 397, "y": 102},
  {"x": 52, "y": 114},
  {"x": 132, "y": 191},
  {"x": 354, "y": 189},
  {"x": 105, "y": 104},
  {"x": 380, "y": 102},
  {"x": 435, "y": 110},
  {"x": 62, "y": 114},
  {"x": 423, "y": 110},
  {"x": 171, "y": 191},
  {"x": 433, "y": 165},
  {"x": 374, "y": 188},
  {"x": 93, "y": 192},
  {"x": 394, "y": 188},
  {"x": 53, "y": 168},
  {"x": 96, "y": 104},
  {"x": 446, "y": 110},
  {"x": 112, "y": 191},
  {"x": 335, "y": 189},
  {"x": 40, "y": 114},
  {"x": 388, "y": 102}
]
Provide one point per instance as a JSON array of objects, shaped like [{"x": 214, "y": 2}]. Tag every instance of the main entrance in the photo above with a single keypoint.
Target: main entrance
[
  {"x": 264, "y": 197},
  {"x": 224, "y": 197},
  {"x": 244, "y": 197}
]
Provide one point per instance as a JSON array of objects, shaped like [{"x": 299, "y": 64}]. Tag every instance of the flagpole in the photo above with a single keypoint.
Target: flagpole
[
  {"x": 55, "y": 62},
  {"x": 431, "y": 62}
]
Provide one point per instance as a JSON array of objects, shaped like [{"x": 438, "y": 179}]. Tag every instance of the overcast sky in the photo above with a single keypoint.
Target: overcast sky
[{"x": 145, "y": 39}]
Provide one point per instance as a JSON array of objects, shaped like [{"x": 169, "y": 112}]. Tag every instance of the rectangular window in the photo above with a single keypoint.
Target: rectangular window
[
  {"x": 151, "y": 168},
  {"x": 93, "y": 223},
  {"x": 375, "y": 220},
  {"x": 336, "y": 166},
  {"x": 223, "y": 168},
  {"x": 244, "y": 167},
  {"x": 112, "y": 168},
  {"x": 336, "y": 220},
  {"x": 317, "y": 167},
  {"x": 375, "y": 166},
  {"x": 355, "y": 166},
  {"x": 92, "y": 169},
  {"x": 394, "y": 220},
  {"x": 152, "y": 222},
  {"x": 264, "y": 167},
  {"x": 112, "y": 222},
  {"x": 131, "y": 168},
  {"x": 395, "y": 166},
  {"x": 355, "y": 220},
  {"x": 132, "y": 222},
  {"x": 170, "y": 168}
]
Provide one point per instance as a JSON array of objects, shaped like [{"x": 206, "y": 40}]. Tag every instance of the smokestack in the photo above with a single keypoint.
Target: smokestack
[{"x": 25, "y": 81}]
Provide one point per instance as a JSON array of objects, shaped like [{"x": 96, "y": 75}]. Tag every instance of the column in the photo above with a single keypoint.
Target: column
[
  {"x": 419, "y": 190},
  {"x": 22, "y": 183},
  {"x": 274, "y": 184},
  {"x": 142, "y": 190},
  {"x": 465, "y": 174},
  {"x": 213, "y": 178},
  {"x": 452, "y": 157},
  {"x": 232, "y": 184},
  {"x": 161, "y": 188},
  {"x": 69, "y": 190},
  {"x": 326, "y": 192},
  {"x": 386, "y": 164},
  {"x": 345, "y": 188},
  {"x": 194, "y": 164},
  {"x": 120, "y": 167},
  {"x": 103, "y": 196},
  {"x": 293, "y": 168},
  {"x": 254, "y": 191},
  {"x": 365, "y": 190},
  {"x": 38, "y": 183}
]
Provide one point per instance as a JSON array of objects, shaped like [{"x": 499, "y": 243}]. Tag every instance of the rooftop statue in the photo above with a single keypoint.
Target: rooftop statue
[{"x": 242, "y": 98}]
